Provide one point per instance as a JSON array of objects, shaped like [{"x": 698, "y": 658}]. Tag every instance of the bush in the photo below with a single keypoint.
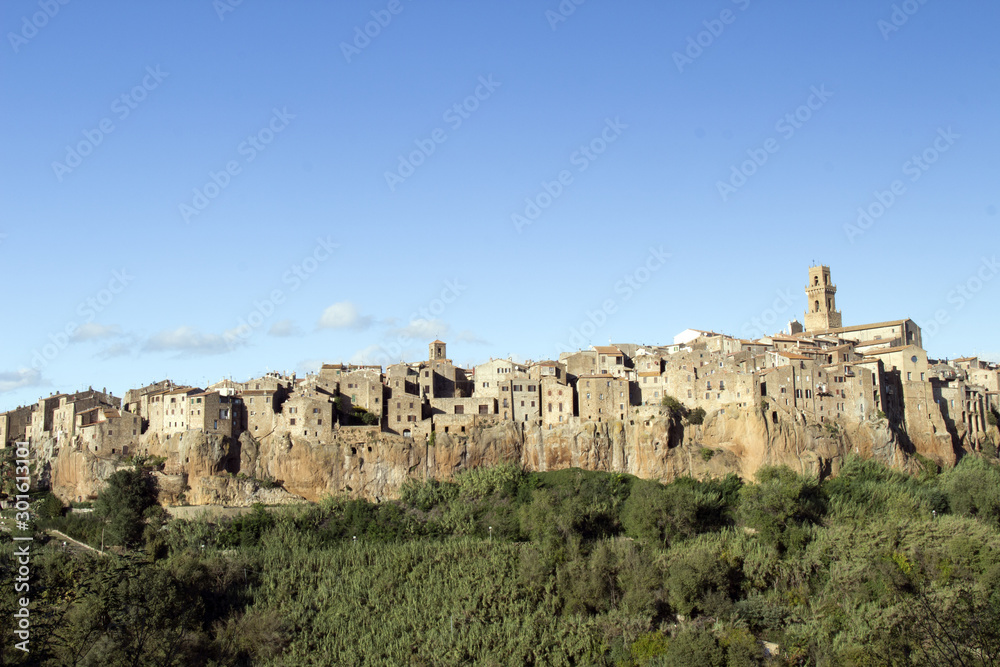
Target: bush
[
  {"x": 696, "y": 416},
  {"x": 49, "y": 507},
  {"x": 991, "y": 418},
  {"x": 503, "y": 480},
  {"x": 673, "y": 405},
  {"x": 707, "y": 454},
  {"x": 427, "y": 495}
]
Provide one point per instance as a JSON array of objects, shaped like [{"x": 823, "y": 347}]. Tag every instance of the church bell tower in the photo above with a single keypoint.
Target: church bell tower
[{"x": 821, "y": 303}]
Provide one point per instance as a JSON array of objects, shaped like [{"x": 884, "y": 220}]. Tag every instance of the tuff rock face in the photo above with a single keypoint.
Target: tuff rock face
[{"x": 204, "y": 469}]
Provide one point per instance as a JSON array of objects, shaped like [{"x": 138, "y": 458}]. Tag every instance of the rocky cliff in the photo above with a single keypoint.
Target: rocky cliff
[{"x": 361, "y": 462}]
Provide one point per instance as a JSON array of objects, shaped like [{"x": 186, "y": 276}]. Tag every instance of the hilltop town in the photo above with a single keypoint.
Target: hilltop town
[{"x": 818, "y": 373}]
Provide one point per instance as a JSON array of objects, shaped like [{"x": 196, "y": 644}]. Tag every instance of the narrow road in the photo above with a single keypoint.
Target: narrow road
[{"x": 76, "y": 543}]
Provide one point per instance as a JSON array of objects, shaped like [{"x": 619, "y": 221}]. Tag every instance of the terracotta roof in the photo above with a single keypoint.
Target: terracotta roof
[
  {"x": 860, "y": 327},
  {"x": 435, "y": 342},
  {"x": 649, "y": 374},
  {"x": 607, "y": 349},
  {"x": 887, "y": 350},
  {"x": 792, "y": 355}
]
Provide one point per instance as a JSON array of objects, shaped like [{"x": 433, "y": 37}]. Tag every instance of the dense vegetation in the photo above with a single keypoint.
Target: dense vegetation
[{"x": 502, "y": 567}]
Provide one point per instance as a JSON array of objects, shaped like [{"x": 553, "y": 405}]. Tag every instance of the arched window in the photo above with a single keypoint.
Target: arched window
[
  {"x": 816, "y": 280},
  {"x": 817, "y": 306}
]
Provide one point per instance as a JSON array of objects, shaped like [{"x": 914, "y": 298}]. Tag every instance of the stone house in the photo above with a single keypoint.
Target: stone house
[
  {"x": 107, "y": 431},
  {"x": 603, "y": 397},
  {"x": 557, "y": 402}
]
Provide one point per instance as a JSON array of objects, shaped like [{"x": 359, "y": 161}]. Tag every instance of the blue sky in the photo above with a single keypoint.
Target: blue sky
[{"x": 208, "y": 189}]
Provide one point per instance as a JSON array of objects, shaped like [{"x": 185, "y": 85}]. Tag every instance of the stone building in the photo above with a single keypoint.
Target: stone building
[
  {"x": 307, "y": 413},
  {"x": 259, "y": 407},
  {"x": 136, "y": 401},
  {"x": 825, "y": 392},
  {"x": 547, "y": 368},
  {"x": 363, "y": 389},
  {"x": 15, "y": 425},
  {"x": 55, "y": 416},
  {"x": 612, "y": 361},
  {"x": 107, "y": 431},
  {"x": 582, "y": 362},
  {"x": 213, "y": 412},
  {"x": 557, "y": 403},
  {"x": 603, "y": 397},
  {"x": 168, "y": 411},
  {"x": 404, "y": 409},
  {"x": 489, "y": 375},
  {"x": 519, "y": 399}
]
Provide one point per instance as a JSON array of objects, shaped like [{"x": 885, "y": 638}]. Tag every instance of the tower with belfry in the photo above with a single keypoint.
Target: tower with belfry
[{"x": 821, "y": 301}]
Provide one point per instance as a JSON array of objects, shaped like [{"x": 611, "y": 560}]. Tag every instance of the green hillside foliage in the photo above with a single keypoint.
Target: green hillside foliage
[{"x": 499, "y": 566}]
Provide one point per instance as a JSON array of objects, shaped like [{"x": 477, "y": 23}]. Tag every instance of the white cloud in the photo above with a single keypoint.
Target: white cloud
[
  {"x": 375, "y": 354},
  {"x": 422, "y": 329},
  {"x": 19, "y": 379},
  {"x": 191, "y": 341},
  {"x": 284, "y": 329},
  {"x": 343, "y": 315},
  {"x": 122, "y": 349},
  {"x": 95, "y": 331},
  {"x": 467, "y": 336},
  {"x": 309, "y": 366}
]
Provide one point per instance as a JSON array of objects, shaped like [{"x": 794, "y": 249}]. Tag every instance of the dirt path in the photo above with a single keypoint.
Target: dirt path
[{"x": 76, "y": 543}]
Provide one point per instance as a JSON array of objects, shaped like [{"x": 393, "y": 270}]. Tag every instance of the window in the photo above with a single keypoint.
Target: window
[{"x": 292, "y": 421}]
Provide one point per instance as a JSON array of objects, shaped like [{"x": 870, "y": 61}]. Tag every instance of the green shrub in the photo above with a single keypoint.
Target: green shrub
[
  {"x": 673, "y": 405},
  {"x": 696, "y": 416},
  {"x": 707, "y": 454}
]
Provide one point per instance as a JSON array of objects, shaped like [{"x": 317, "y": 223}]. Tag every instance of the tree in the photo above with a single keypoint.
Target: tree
[
  {"x": 126, "y": 500},
  {"x": 780, "y": 505}
]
